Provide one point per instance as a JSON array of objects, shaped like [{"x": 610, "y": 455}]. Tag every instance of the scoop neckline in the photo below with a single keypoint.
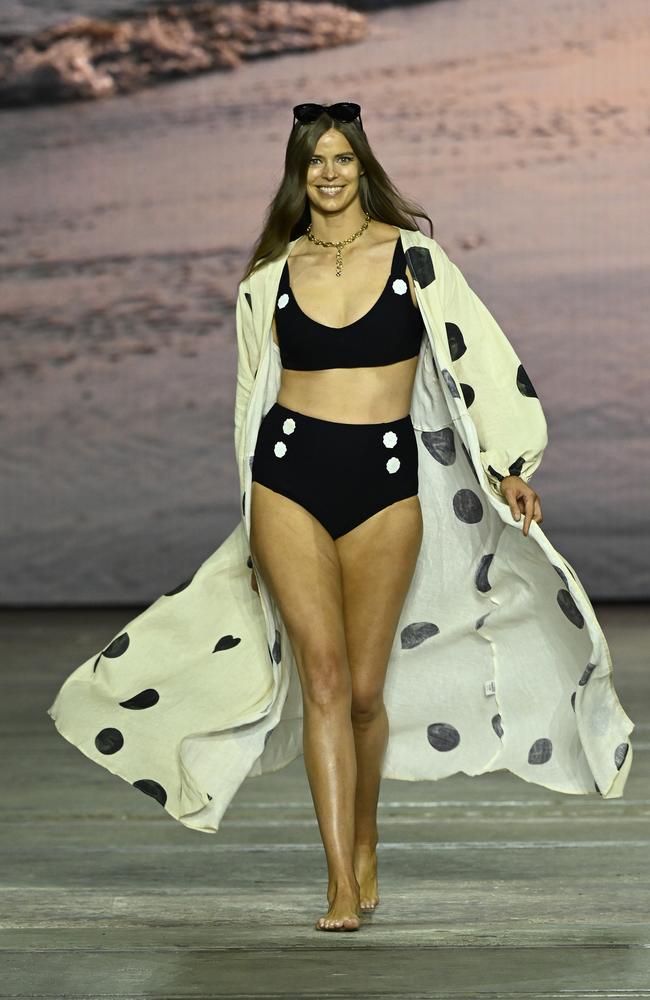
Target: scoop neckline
[{"x": 356, "y": 321}]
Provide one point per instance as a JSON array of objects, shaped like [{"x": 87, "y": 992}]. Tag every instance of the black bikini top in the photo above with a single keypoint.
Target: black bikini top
[{"x": 390, "y": 331}]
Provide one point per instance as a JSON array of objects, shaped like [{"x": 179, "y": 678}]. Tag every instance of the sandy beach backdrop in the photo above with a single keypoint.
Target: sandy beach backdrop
[{"x": 524, "y": 130}]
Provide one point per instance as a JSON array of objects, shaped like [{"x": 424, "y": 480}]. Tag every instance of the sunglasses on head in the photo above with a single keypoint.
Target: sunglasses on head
[{"x": 344, "y": 111}]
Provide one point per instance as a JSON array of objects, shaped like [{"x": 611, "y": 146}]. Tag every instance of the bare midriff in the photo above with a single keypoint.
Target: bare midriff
[{"x": 348, "y": 395}]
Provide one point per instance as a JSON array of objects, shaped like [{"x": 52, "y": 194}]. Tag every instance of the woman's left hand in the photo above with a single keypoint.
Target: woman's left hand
[{"x": 521, "y": 498}]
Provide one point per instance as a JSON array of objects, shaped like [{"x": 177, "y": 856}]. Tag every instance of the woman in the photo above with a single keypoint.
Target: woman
[
  {"x": 404, "y": 620},
  {"x": 349, "y": 346}
]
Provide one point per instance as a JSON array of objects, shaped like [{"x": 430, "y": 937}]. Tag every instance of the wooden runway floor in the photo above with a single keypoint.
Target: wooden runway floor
[{"x": 491, "y": 887}]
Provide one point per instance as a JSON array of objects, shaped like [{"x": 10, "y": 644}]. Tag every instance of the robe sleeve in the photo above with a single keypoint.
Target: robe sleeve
[
  {"x": 499, "y": 395},
  {"x": 247, "y": 362}
]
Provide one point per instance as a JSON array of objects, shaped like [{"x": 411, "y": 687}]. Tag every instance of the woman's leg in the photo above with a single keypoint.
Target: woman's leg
[
  {"x": 298, "y": 561},
  {"x": 378, "y": 560}
]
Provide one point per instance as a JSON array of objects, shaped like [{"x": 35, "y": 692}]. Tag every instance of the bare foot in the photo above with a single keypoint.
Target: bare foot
[
  {"x": 343, "y": 914},
  {"x": 365, "y": 869}
]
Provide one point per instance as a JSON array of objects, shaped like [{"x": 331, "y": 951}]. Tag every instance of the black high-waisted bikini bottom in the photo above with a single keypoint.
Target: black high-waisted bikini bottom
[{"x": 341, "y": 473}]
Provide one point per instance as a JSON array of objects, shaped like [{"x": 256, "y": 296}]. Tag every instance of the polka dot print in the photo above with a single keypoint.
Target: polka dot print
[
  {"x": 569, "y": 608},
  {"x": 145, "y": 699},
  {"x": 117, "y": 647},
  {"x": 468, "y": 394},
  {"x": 109, "y": 741},
  {"x": 226, "y": 642},
  {"x": 457, "y": 345},
  {"x": 440, "y": 445},
  {"x": 152, "y": 788},
  {"x": 451, "y": 384},
  {"x": 390, "y": 439},
  {"x": 279, "y": 449},
  {"x": 181, "y": 586},
  {"x": 467, "y": 506},
  {"x": 443, "y": 736},
  {"x": 586, "y": 674},
  {"x": 393, "y": 464},
  {"x": 415, "y": 634},
  {"x": 540, "y": 752},
  {"x": 481, "y": 578},
  {"x": 289, "y": 425},
  {"x": 399, "y": 286},
  {"x": 283, "y": 300}
]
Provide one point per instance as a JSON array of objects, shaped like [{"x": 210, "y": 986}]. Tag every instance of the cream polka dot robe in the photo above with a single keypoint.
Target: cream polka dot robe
[{"x": 498, "y": 660}]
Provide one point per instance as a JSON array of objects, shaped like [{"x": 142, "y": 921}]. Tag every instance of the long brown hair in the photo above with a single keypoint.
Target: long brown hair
[{"x": 288, "y": 214}]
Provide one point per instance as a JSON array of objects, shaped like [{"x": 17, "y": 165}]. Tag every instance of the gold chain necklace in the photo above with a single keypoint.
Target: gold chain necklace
[{"x": 340, "y": 244}]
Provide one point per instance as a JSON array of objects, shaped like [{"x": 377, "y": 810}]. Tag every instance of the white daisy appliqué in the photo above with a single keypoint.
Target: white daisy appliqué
[
  {"x": 400, "y": 286},
  {"x": 282, "y": 301},
  {"x": 390, "y": 439},
  {"x": 289, "y": 425},
  {"x": 392, "y": 464},
  {"x": 280, "y": 448}
]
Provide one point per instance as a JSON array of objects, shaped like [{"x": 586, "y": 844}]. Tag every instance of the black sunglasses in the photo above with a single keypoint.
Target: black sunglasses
[{"x": 344, "y": 111}]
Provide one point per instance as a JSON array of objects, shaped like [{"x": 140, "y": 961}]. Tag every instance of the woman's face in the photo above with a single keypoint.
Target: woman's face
[{"x": 333, "y": 164}]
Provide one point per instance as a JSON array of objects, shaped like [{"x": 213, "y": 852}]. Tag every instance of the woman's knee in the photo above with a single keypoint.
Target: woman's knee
[
  {"x": 367, "y": 703},
  {"x": 325, "y": 676}
]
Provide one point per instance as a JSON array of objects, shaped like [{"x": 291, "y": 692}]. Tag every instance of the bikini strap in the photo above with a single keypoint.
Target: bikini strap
[
  {"x": 398, "y": 263},
  {"x": 284, "y": 278}
]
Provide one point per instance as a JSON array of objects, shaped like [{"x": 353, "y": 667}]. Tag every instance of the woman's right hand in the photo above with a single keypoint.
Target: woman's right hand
[{"x": 254, "y": 581}]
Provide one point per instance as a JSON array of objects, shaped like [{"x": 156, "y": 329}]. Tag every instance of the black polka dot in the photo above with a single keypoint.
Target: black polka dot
[
  {"x": 468, "y": 393},
  {"x": 109, "y": 741},
  {"x": 456, "y": 341},
  {"x": 420, "y": 264},
  {"x": 467, "y": 506},
  {"x": 181, "y": 586},
  {"x": 416, "y": 633},
  {"x": 517, "y": 466},
  {"x": 440, "y": 445},
  {"x": 226, "y": 642},
  {"x": 620, "y": 754},
  {"x": 443, "y": 736},
  {"x": 481, "y": 621},
  {"x": 481, "y": 578},
  {"x": 117, "y": 647},
  {"x": 277, "y": 647},
  {"x": 493, "y": 472},
  {"x": 145, "y": 699},
  {"x": 152, "y": 788},
  {"x": 524, "y": 384},
  {"x": 573, "y": 701},
  {"x": 540, "y": 752},
  {"x": 496, "y": 725},
  {"x": 570, "y": 608},
  {"x": 451, "y": 384},
  {"x": 586, "y": 673},
  {"x": 561, "y": 575},
  {"x": 249, "y": 562}
]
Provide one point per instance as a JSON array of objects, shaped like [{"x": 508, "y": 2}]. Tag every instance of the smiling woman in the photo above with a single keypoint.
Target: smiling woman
[{"x": 410, "y": 619}]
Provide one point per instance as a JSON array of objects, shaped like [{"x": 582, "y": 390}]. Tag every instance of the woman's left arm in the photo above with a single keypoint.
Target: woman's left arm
[{"x": 498, "y": 393}]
